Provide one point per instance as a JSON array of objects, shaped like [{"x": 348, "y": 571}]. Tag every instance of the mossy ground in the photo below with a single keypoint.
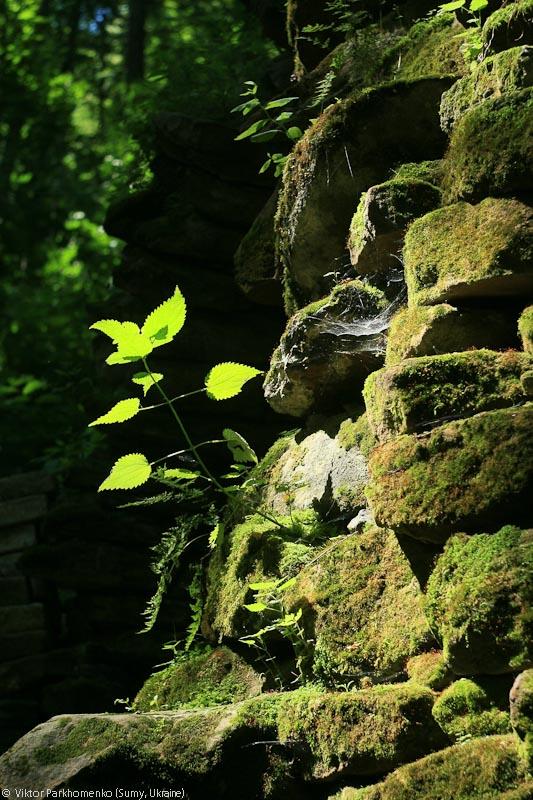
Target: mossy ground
[
  {"x": 431, "y": 47},
  {"x": 430, "y": 669},
  {"x": 479, "y": 601},
  {"x": 465, "y": 709}
]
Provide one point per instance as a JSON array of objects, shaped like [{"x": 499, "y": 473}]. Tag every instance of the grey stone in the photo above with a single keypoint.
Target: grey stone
[
  {"x": 16, "y": 538},
  {"x": 23, "y": 509}
]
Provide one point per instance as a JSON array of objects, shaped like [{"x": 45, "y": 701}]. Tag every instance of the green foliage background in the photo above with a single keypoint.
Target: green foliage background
[{"x": 74, "y": 134}]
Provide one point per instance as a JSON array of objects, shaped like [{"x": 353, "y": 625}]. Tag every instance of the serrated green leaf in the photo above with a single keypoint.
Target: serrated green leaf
[
  {"x": 114, "y": 329},
  {"x": 287, "y": 584},
  {"x": 147, "y": 380},
  {"x": 166, "y": 320},
  {"x": 181, "y": 474},
  {"x": 452, "y": 6},
  {"x": 477, "y": 5},
  {"x": 256, "y": 608},
  {"x": 239, "y": 447},
  {"x": 295, "y": 133},
  {"x": 283, "y": 101},
  {"x": 215, "y": 535},
  {"x": 121, "y": 411},
  {"x": 127, "y": 473},
  {"x": 133, "y": 346},
  {"x": 227, "y": 379}
]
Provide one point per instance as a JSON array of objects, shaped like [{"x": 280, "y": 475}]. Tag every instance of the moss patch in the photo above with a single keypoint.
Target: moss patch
[
  {"x": 493, "y": 77},
  {"x": 525, "y": 329},
  {"x": 205, "y": 679},
  {"x": 465, "y": 251},
  {"x": 430, "y": 669},
  {"x": 521, "y": 697},
  {"x": 490, "y": 150},
  {"x": 434, "y": 330},
  {"x": 362, "y": 606},
  {"x": 357, "y": 433},
  {"x": 430, "y": 48},
  {"x": 428, "y": 171},
  {"x": 479, "y": 600},
  {"x": 482, "y": 769},
  {"x": 421, "y": 391},
  {"x": 465, "y": 709},
  {"x": 465, "y": 475},
  {"x": 509, "y": 26}
]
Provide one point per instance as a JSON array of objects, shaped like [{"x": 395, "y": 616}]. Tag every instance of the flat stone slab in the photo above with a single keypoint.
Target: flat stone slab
[
  {"x": 17, "y": 538},
  {"x": 22, "y": 509}
]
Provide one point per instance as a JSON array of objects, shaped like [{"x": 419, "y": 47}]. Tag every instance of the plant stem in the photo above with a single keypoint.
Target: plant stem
[{"x": 183, "y": 430}]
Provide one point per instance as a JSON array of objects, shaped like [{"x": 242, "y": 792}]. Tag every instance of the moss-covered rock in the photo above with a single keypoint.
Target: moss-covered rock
[
  {"x": 256, "y": 550},
  {"x": 479, "y": 601},
  {"x": 521, "y": 699},
  {"x": 493, "y": 77},
  {"x": 443, "y": 328},
  {"x": 509, "y": 26},
  {"x": 359, "y": 733},
  {"x": 466, "y": 709},
  {"x": 490, "y": 150},
  {"x": 353, "y": 145},
  {"x": 327, "y": 350},
  {"x": 383, "y": 214},
  {"x": 525, "y": 329},
  {"x": 317, "y": 470},
  {"x": 362, "y": 606},
  {"x": 417, "y": 393},
  {"x": 468, "y": 474},
  {"x": 430, "y": 669},
  {"x": 464, "y": 251},
  {"x": 431, "y": 47},
  {"x": 255, "y": 270},
  {"x": 428, "y": 171},
  {"x": 489, "y": 768},
  {"x": 214, "y": 677}
]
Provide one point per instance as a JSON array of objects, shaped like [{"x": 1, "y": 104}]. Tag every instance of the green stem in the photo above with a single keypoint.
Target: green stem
[{"x": 183, "y": 430}]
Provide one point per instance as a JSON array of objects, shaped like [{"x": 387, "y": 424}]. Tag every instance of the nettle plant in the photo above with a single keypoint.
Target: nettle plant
[
  {"x": 223, "y": 381},
  {"x": 272, "y": 122},
  {"x": 473, "y": 46}
]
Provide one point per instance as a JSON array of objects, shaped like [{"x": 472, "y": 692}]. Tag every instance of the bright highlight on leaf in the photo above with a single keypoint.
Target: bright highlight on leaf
[
  {"x": 166, "y": 320},
  {"x": 256, "y": 608},
  {"x": 181, "y": 474},
  {"x": 227, "y": 379},
  {"x": 239, "y": 447},
  {"x": 147, "y": 380},
  {"x": 215, "y": 535},
  {"x": 131, "y": 347},
  {"x": 117, "y": 331},
  {"x": 127, "y": 473},
  {"x": 121, "y": 411}
]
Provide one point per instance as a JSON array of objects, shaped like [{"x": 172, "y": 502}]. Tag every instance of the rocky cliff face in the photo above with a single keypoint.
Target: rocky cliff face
[{"x": 369, "y": 610}]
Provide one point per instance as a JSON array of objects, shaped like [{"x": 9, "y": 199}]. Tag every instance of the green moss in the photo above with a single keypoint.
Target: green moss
[
  {"x": 429, "y": 669},
  {"x": 494, "y": 76},
  {"x": 521, "y": 697},
  {"x": 490, "y": 149},
  {"x": 203, "y": 679},
  {"x": 430, "y": 48},
  {"x": 479, "y": 601},
  {"x": 254, "y": 551},
  {"x": 357, "y": 433},
  {"x": 479, "y": 770},
  {"x": 421, "y": 391},
  {"x": 365, "y": 732},
  {"x": 464, "y": 709},
  {"x": 469, "y": 251},
  {"x": 525, "y": 329},
  {"x": 509, "y": 26},
  {"x": 428, "y": 171},
  {"x": 433, "y": 330},
  {"x": 465, "y": 475},
  {"x": 362, "y": 607},
  {"x": 88, "y": 736}
]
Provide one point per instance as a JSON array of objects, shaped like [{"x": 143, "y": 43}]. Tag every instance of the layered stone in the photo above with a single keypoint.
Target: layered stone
[
  {"x": 464, "y": 251},
  {"x": 468, "y": 474}
]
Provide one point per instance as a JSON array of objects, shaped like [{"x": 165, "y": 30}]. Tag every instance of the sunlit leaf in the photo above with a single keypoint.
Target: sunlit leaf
[
  {"x": 181, "y": 474},
  {"x": 239, "y": 447},
  {"x": 254, "y": 128},
  {"x": 227, "y": 379},
  {"x": 147, "y": 380},
  {"x": 295, "y": 133},
  {"x": 256, "y": 608},
  {"x": 215, "y": 535},
  {"x": 127, "y": 473},
  {"x": 263, "y": 586},
  {"x": 121, "y": 411},
  {"x": 166, "y": 320},
  {"x": 283, "y": 101}
]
